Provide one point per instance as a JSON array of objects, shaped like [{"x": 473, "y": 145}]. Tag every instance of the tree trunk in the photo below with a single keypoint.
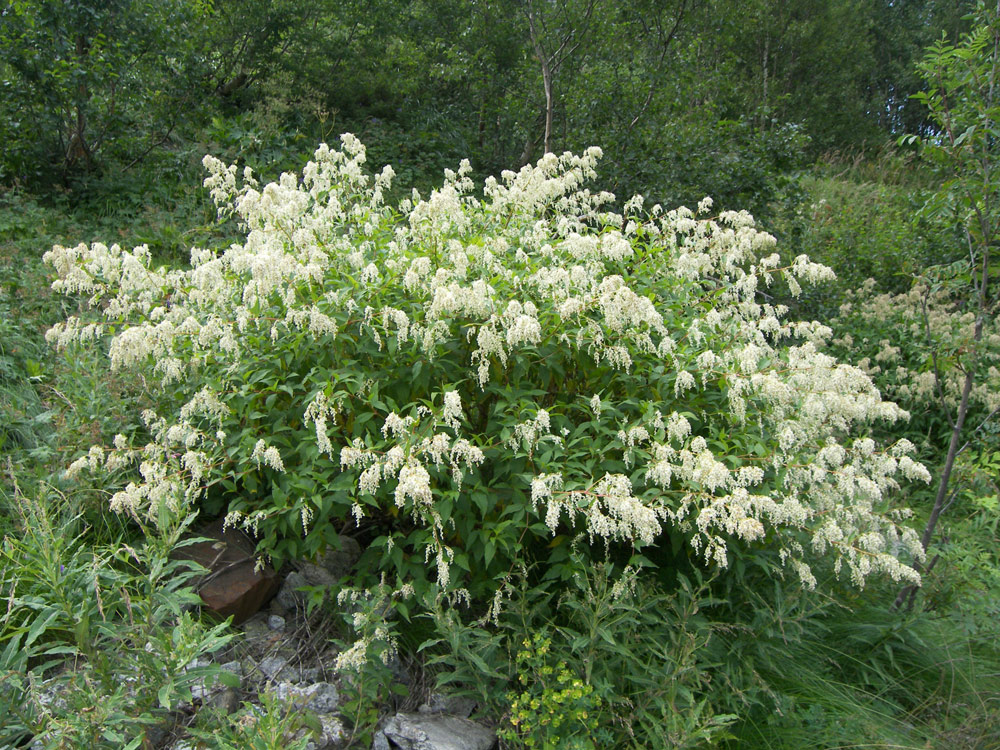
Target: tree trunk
[
  {"x": 908, "y": 593},
  {"x": 546, "y": 81},
  {"x": 78, "y": 147}
]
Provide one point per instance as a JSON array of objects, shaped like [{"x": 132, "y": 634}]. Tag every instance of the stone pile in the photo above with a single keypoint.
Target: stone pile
[{"x": 283, "y": 652}]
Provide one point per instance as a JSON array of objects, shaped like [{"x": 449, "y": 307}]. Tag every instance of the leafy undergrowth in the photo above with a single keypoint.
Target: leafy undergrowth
[{"x": 626, "y": 651}]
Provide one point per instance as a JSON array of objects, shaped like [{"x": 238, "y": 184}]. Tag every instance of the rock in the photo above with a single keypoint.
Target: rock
[
  {"x": 333, "y": 734},
  {"x": 200, "y": 691},
  {"x": 198, "y": 663},
  {"x": 316, "y": 575},
  {"x": 310, "y": 674},
  {"x": 435, "y": 732},
  {"x": 259, "y": 641},
  {"x": 256, "y": 629},
  {"x": 276, "y": 608},
  {"x": 226, "y": 700},
  {"x": 379, "y": 742},
  {"x": 234, "y": 584},
  {"x": 320, "y": 697},
  {"x": 340, "y": 562},
  {"x": 204, "y": 688},
  {"x": 288, "y": 597},
  {"x": 233, "y": 667},
  {"x": 448, "y": 704},
  {"x": 327, "y": 570},
  {"x": 274, "y": 622},
  {"x": 276, "y": 667},
  {"x": 50, "y": 696}
]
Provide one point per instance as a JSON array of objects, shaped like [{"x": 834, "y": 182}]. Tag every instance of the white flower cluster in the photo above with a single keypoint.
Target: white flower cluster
[
  {"x": 370, "y": 621},
  {"x": 528, "y": 434},
  {"x": 418, "y": 449},
  {"x": 267, "y": 455},
  {"x": 905, "y": 327},
  {"x": 663, "y": 309}
]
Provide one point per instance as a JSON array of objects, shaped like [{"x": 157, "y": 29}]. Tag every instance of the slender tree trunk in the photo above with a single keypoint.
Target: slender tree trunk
[
  {"x": 78, "y": 147},
  {"x": 908, "y": 593},
  {"x": 978, "y": 194},
  {"x": 527, "y": 151},
  {"x": 767, "y": 56},
  {"x": 546, "y": 81}
]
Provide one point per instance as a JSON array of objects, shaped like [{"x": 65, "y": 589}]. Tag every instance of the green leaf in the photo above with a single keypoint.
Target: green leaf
[
  {"x": 229, "y": 679},
  {"x": 41, "y": 623},
  {"x": 489, "y": 550}
]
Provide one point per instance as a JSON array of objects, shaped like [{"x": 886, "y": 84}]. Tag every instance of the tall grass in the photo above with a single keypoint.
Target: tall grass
[{"x": 857, "y": 674}]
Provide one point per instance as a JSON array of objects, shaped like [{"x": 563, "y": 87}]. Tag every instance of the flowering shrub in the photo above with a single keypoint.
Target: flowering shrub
[
  {"x": 931, "y": 350},
  {"x": 919, "y": 345},
  {"x": 469, "y": 380}
]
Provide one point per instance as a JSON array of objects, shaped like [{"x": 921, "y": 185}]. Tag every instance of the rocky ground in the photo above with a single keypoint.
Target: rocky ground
[{"x": 282, "y": 651}]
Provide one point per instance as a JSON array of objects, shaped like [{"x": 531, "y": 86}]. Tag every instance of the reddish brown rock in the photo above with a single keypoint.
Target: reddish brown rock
[{"x": 233, "y": 583}]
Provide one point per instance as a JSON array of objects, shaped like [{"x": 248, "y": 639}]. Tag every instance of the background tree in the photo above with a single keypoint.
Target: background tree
[
  {"x": 962, "y": 99},
  {"x": 86, "y": 81}
]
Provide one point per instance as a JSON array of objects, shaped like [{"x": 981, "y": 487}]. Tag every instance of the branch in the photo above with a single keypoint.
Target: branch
[{"x": 659, "y": 64}]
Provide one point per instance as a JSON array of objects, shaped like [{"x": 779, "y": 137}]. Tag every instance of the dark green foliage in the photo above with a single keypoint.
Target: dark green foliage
[
  {"x": 115, "y": 611},
  {"x": 85, "y": 83},
  {"x": 92, "y": 88},
  {"x": 610, "y": 627}
]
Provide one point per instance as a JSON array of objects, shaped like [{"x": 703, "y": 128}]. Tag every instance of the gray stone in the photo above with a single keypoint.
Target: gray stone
[
  {"x": 233, "y": 667},
  {"x": 333, "y": 735},
  {"x": 205, "y": 687},
  {"x": 226, "y": 700},
  {"x": 310, "y": 674},
  {"x": 340, "y": 562},
  {"x": 316, "y": 575},
  {"x": 435, "y": 732},
  {"x": 256, "y": 629},
  {"x": 320, "y": 697},
  {"x": 448, "y": 704},
  {"x": 287, "y": 595},
  {"x": 200, "y": 691},
  {"x": 250, "y": 668},
  {"x": 274, "y": 622},
  {"x": 276, "y": 667},
  {"x": 334, "y": 564},
  {"x": 196, "y": 664},
  {"x": 379, "y": 742},
  {"x": 51, "y": 695}
]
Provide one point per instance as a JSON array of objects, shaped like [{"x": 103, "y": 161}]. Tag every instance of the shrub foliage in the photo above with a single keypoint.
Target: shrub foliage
[{"x": 470, "y": 379}]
